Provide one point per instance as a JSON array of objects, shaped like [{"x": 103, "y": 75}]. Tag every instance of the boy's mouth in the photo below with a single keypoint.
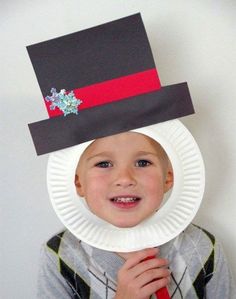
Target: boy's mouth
[
  {"x": 125, "y": 199},
  {"x": 125, "y": 202}
]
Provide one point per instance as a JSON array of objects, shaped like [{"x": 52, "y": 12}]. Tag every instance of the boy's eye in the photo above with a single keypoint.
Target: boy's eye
[
  {"x": 142, "y": 163},
  {"x": 103, "y": 164}
]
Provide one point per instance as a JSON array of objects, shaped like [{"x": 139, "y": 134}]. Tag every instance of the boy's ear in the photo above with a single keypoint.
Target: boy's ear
[
  {"x": 169, "y": 180},
  {"x": 78, "y": 186}
]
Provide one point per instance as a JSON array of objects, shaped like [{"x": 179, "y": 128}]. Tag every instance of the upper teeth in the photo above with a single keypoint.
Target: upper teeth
[{"x": 124, "y": 199}]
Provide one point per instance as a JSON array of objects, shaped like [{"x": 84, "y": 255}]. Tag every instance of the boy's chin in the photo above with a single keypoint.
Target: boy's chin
[
  {"x": 129, "y": 222},
  {"x": 124, "y": 223}
]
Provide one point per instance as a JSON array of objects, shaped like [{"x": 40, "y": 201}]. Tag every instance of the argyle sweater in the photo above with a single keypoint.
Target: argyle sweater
[{"x": 72, "y": 269}]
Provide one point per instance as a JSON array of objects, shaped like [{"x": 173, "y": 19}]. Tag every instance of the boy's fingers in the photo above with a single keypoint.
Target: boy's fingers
[
  {"x": 152, "y": 275},
  {"x": 140, "y": 256},
  {"x": 154, "y": 286},
  {"x": 143, "y": 266},
  {"x": 142, "y": 273}
]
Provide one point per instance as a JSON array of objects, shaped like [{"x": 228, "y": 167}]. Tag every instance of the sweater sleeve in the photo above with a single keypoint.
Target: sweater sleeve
[
  {"x": 221, "y": 285},
  {"x": 51, "y": 284}
]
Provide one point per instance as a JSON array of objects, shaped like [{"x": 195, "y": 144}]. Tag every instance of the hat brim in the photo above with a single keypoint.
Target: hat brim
[
  {"x": 172, "y": 218},
  {"x": 170, "y": 102}
]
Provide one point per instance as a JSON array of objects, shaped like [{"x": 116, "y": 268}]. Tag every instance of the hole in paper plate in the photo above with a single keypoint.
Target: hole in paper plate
[{"x": 124, "y": 158}]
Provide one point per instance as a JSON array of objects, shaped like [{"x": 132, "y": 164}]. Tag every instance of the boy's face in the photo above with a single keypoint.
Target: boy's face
[{"x": 123, "y": 178}]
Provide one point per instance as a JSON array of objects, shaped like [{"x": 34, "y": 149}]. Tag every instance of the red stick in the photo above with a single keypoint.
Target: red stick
[{"x": 163, "y": 293}]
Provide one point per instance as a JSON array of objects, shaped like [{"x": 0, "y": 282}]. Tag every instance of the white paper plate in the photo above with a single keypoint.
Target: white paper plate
[{"x": 173, "y": 217}]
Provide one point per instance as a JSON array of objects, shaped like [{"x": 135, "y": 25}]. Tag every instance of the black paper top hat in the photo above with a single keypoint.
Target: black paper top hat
[{"x": 106, "y": 72}]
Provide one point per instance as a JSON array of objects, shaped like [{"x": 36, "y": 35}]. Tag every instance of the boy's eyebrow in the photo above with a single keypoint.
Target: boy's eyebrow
[
  {"x": 107, "y": 153},
  {"x": 143, "y": 153}
]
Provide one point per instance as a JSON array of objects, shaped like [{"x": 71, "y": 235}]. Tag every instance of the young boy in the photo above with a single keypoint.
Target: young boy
[
  {"x": 124, "y": 185},
  {"x": 122, "y": 174}
]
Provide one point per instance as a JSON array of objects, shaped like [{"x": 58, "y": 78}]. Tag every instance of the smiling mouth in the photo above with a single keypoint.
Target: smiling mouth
[{"x": 125, "y": 199}]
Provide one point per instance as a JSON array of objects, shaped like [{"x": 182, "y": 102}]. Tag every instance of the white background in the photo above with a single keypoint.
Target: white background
[{"x": 192, "y": 41}]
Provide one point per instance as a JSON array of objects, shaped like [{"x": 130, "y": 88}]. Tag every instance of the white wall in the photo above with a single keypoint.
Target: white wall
[{"x": 191, "y": 40}]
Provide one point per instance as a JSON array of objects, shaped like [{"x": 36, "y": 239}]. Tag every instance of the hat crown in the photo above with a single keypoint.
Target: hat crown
[{"x": 111, "y": 50}]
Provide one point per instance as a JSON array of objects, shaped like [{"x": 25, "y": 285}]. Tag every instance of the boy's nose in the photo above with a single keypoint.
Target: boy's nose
[{"x": 125, "y": 178}]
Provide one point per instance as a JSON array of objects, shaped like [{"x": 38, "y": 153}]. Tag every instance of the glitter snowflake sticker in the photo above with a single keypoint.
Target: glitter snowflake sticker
[{"x": 66, "y": 102}]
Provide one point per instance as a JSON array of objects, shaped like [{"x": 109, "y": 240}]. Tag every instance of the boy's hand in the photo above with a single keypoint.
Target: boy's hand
[{"x": 140, "y": 278}]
